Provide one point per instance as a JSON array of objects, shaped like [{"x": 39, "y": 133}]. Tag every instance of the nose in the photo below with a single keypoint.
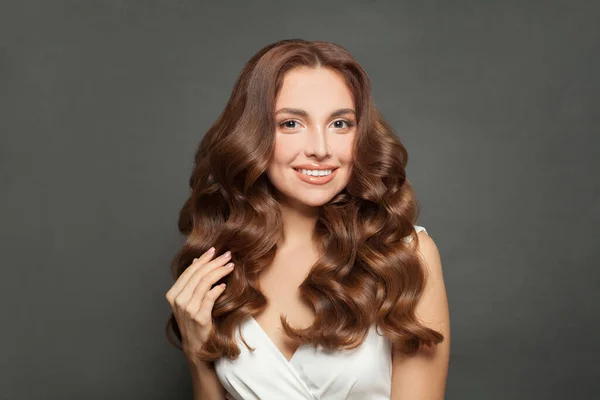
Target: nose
[{"x": 317, "y": 144}]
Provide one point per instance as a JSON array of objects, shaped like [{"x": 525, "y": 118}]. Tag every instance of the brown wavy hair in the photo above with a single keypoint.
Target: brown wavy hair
[{"x": 367, "y": 272}]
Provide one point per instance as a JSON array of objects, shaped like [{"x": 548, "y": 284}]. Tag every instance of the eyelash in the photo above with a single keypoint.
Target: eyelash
[{"x": 349, "y": 124}]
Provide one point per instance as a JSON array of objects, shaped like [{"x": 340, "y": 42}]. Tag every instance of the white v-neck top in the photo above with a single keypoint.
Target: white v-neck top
[{"x": 311, "y": 374}]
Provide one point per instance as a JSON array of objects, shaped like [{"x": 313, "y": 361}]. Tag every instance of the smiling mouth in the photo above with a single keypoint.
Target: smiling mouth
[
  {"x": 316, "y": 179},
  {"x": 329, "y": 171}
]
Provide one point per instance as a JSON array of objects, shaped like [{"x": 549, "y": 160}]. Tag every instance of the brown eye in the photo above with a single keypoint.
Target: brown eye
[
  {"x": 340, "y": 124},
  {"x": 289, "y": 124}
]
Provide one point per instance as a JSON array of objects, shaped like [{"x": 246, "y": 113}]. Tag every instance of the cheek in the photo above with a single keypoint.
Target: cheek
[
  {"x": 344, "y": 151},
  {"x": 285, "y": 150},
  {"x": 282, "y": 157}
]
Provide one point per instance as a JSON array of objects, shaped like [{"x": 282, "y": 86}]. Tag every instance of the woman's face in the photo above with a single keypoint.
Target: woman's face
[{"x": 315, "y": 125}]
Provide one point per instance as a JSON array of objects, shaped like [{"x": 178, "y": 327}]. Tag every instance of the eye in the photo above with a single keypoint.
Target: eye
[
  {"x": 289, "y": 124},
  {"x": 341, "y": 122}
]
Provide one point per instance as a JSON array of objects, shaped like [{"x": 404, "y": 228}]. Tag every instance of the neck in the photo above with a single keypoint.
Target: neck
[{"x": 299, "y": 222}]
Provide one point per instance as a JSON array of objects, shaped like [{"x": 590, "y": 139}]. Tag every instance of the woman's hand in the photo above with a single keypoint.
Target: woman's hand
[{"x": 192, "y": 298}]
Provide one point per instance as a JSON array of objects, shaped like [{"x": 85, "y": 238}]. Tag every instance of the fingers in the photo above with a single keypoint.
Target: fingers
[
  {"x": 217, "y": 262},
  {"x": 199, "y": 271},
  {"x": 204, "y": 314},
  {"x": 205, "y": 283},
  {"x": 188, "y": 273},
  {"x": 202, "y": 271}
]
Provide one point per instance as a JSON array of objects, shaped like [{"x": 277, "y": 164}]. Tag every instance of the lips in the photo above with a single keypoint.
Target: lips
[
  {"x": 316, "y": 180},
  {"x": 315, "y": 166}
]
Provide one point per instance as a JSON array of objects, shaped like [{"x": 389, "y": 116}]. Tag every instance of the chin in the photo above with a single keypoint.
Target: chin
[
  {"x": 313, "y": 199},
  {"x": 315, "y": 202}
]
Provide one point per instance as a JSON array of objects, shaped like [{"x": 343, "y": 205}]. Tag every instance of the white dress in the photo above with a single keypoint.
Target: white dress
[{"x": 312, "y": 374}]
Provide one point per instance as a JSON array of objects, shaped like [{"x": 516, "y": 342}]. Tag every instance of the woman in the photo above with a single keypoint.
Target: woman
[{"x": 331, "y": 290}]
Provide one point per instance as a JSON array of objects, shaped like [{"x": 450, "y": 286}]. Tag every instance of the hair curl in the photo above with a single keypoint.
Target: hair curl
[{"x": 367, "y": 273}]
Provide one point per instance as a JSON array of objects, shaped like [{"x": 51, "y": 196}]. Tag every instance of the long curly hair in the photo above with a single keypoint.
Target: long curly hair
[{"x": 368, "y": 272}]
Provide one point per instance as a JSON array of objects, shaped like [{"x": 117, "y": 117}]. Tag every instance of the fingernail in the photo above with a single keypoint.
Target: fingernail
[
  {"x": 211, "y": 250},
  {"x": 227, "y": 254},
  {"x": 230, "y": 266}
]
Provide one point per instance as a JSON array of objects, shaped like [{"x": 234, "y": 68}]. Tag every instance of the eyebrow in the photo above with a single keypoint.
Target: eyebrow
[{"x": 302, "y": 113}]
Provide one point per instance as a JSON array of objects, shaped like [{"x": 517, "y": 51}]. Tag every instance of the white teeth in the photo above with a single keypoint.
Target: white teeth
[{"x": 314, "y": 172}]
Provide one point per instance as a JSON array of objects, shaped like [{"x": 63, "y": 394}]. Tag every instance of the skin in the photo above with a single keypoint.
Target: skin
[
  {"x": 424, "y": 375},
  {"x": 320, "y": 139},
  {"x": 191, "y": 299},
  {"x": 314, "y": 137}
]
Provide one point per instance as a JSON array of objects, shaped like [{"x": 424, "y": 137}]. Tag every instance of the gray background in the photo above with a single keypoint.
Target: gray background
[{"x": 103, "y": 104}]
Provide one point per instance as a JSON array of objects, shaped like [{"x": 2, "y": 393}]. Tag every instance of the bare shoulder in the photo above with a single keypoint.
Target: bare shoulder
[
  {"x": 433, "y": 307},
  {"x": 423, "y": 376},
  {"x": 429, "y": 252}
]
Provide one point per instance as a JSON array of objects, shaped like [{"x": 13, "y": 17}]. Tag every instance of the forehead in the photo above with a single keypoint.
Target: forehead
[{"x": 317, "y": 90}]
